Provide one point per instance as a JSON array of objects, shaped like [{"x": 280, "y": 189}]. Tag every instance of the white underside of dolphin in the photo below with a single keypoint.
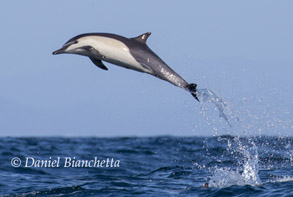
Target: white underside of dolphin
[
  {"x": 131, "y": 53},
  {"x": 114, "y": 51}
]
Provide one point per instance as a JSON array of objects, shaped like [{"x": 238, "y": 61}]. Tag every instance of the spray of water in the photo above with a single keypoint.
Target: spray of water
[
  {"x": 246, "y": 172},
  {"x": 208, "y": 96}
]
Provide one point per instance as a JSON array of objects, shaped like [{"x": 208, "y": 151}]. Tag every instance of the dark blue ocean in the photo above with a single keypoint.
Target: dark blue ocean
[{"x": 147, "y": 166}]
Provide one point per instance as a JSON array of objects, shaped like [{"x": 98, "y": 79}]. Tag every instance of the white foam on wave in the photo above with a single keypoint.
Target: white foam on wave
[{"x": 281, "y": 179}]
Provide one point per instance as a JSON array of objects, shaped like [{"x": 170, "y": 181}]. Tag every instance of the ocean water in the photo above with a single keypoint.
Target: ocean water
[
  {"x": 148, "y": 166},
  {"x": 222, "y": 165}
]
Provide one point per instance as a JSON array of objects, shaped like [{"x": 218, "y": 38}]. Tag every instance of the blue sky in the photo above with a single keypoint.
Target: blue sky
[{"x": 242, "y": 50}]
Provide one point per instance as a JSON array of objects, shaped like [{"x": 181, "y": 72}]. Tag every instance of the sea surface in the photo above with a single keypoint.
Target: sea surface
[
  {"x": 147, "y": 166},
  {"x": 229, "y": 164}
]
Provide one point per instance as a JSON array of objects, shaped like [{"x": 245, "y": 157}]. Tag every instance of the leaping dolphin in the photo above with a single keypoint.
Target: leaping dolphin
[{"x": 131, "y": 53}]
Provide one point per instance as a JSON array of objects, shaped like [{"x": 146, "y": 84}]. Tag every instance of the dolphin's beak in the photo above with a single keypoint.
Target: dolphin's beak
[{"x": 59, "y": 51}]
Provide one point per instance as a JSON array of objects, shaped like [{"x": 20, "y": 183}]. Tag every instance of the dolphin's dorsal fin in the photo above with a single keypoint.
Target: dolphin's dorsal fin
[{"x": 142, "y": 38}]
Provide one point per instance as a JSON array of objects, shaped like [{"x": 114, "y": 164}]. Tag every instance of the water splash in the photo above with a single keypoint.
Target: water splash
[
  {"x": 208, "y": 96},
  {"x": 282, "y": 179},
  {"x": 246, "y": 172}
]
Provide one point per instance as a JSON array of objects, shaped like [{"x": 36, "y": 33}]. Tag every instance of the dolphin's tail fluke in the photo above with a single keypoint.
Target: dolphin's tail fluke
[{"x": 192, "y": 89}]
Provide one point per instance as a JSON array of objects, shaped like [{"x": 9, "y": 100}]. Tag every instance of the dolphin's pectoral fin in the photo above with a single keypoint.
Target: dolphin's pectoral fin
[
  {"x": 96, "y": 52},
  {"x": 98, "y": 63},
  {"x": 142, "y": 38},
  {"x": 97, "y": 57}
]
